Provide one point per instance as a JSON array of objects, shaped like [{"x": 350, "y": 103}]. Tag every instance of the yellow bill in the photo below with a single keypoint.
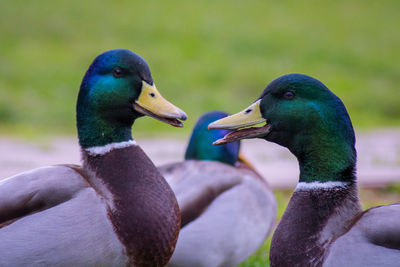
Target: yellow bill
[
  {"x": 248, "y": 117},
  {"x": 153, "y": 104}
]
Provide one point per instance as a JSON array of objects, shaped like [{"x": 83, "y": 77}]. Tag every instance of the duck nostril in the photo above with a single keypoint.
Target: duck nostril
[
  {"x": 152, "y": 95},
  {"x": 248, "y": 111}
]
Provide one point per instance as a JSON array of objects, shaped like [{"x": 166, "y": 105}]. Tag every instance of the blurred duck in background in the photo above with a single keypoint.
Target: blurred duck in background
[
  {"x": 323, "y": 224},
  {"x": 115, "y": 210},
  {"x": 227, "y": 208}
]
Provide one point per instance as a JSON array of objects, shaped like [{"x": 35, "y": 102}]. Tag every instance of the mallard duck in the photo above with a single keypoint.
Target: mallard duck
[
  {"x": 323, "y": 225},
  {"x": 115, "y": 210},
  {"x": 227, "y": 208}
]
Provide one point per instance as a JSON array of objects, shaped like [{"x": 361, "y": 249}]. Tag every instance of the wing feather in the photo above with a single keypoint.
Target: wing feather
[{"x": 36, "y": 190}]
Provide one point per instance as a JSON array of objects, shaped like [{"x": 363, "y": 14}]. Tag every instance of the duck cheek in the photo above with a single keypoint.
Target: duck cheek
[
  {"x": 273, "y": 136},
  {"x": 279, "y": 137},
  {"x": 121, "y": 115},
  {"x": 278, "y": 132}
]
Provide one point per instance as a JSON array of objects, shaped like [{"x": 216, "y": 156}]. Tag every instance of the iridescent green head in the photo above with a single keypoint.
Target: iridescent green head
[
  {"x": 200, "y": 145},
  {"x": 303, "y": 115},
  {"x": 117, "y": 89}
]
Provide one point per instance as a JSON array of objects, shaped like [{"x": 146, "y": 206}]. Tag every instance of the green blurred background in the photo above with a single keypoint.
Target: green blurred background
[{"x": 203, "y": 55}]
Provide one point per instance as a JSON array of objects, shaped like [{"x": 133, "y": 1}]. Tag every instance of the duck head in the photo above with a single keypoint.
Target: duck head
[
  {"x": 302, "y": 114},
  {"x": 116, "y": 90},
  {"x": 200, "y": 144}
]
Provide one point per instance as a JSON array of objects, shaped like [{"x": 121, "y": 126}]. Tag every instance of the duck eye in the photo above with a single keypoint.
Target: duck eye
[
  {"x": 117, "y": 72},
  {"x": 288, "y": 95}
]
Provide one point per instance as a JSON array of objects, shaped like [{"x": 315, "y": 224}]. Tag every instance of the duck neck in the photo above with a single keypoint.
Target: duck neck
[
  {"x": 141, "y": 205},
  {"x": 321, "y": 208},
  {"x": 94, "y": 131},
  {"x": 314, "y": 217},
  {"x": 98, "y": 125},
  {"x": 326, "y": 158}
]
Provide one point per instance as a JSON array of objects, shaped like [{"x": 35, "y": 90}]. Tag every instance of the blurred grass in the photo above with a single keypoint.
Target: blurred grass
[
  {"x": 203, "y": 54},
  {"x": 369, "y": 197}
]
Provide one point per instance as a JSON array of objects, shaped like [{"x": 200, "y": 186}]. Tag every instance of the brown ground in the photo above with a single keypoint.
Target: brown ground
[{"x": 378, "y": 156}]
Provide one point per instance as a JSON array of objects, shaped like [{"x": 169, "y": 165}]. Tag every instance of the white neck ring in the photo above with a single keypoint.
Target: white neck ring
[
  {"x": 101, "y": 150},
  {"x": 320, "y": 185}
]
